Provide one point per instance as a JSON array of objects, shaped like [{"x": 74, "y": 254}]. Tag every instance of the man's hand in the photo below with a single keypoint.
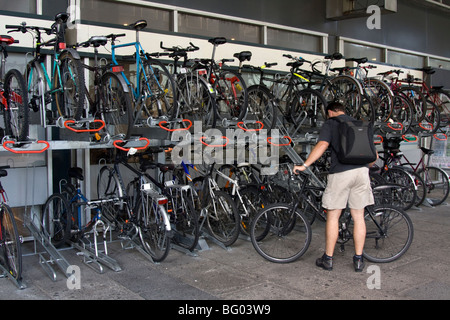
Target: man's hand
[{"x": 298, "y": 169}]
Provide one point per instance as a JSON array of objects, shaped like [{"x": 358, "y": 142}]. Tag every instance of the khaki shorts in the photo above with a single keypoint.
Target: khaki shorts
[{"x": 350, "y": 187}]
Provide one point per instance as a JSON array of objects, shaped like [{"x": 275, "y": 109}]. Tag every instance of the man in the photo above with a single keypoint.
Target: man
[{"x": 347, "y": 184}]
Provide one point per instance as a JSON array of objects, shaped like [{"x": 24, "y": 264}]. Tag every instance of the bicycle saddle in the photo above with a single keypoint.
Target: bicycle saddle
[
  {"x": 427, "y": 151},
  {"x": 165, "y": 167},
  {"x": 98, "y": 41},
  {"x": 358, "y": 60},
  {"x": 139, "y": 25},
  {"x": 243, "y": 55},
  {"x": 334, "y": 56},
  {"x": 8, "y": 40},
  {"x": 62, "y": 16},
  {"x": 217, "y": 41},
  {"x": 76, "y": 173},
  {"x": 3, "y": 173}
]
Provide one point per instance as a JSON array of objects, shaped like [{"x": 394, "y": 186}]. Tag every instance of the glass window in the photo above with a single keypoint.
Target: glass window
[
  {"x": 121, "y": 13},
  {"x": 25, "y": 6},
  {"x": 404, "y": 59},
  {"x": 294, "y": 40},
  {"x": 52, "y": 7},
  {"x": 212, "y": 27},
  {"x": 353, "y": 50}
]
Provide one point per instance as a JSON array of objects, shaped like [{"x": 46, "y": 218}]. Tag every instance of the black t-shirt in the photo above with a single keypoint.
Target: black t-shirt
[{"x": 330, "y": 134}]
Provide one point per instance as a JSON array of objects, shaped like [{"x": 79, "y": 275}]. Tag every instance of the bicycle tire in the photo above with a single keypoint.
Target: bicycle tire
[
  {"x": 222, "y": 220},
  {"x": 381, "y": 96},
  {"x": 253, "y": 200},
  {"x": 260, "y": 107},
  {"x": 109, "y": 187},
  {"x": 402, "y": 113},
  {"x": 116, "y": 108},
  {"x": 231, "y": 96},
  {"x": 346, "y": 90},
  {"x": 158, "y": 89},
  {"x": 154, "y": 238},
  {"x": 312, "y": 104},
  {"x": 69, "y": 79},
  {"x": 16, "y": 112},
  {"x": 403, "y": 178},
  {"x": 11, "y": 252},
  {"x": 279, "y": 234},
  {"x": 56, "y": 220},
  {"x": 185, "y": 225},
  {"x": 197, "y": 100},
  {"x": 391, "y": 238},
  {"x": 437, "y": 184},
  {"x": 442, "y": 100},
  {"x": 418, "y": 101}
]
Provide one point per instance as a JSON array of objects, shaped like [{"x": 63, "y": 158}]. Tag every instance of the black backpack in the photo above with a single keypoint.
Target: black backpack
[{"x": 356, "y": 144}]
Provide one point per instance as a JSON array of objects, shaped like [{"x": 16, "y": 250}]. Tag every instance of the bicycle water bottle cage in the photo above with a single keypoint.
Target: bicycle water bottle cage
[
  {"x": 218, "y": 41},
  {"x": 76, "y": 172},
  {"x": 138, "y": 25}
]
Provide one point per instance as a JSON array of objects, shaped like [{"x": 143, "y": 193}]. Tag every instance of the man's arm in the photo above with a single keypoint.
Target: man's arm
[{"x": 315, "y": 154}]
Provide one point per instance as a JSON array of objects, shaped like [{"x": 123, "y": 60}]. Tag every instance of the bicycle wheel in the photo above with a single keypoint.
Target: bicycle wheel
[
  {"x": 184, "y": 221},
  {"x": 381, "y": 97},
  {"x": 280, "y": 234},
  {"x": 159, "y": 90},
  {"x": 70, "y": 87},
  {"x": 253, "y": 201},
  {"x": 401, "y": 117},
  {"x": 346, "y": 90},
  {"x": 442, "y": 100},
  {"x": 389, "y": 233},
  {"x": 260, "y": 107},
  {"x": 11, "y": 250},
  {"x": 436, "y": 181},
  {"x": 56, "y": 219},
  {"x": 109, "y": 187},
  {"x": 16, "y": 113},
  {"x": 116, "y": 107},
  {"x": 310, "y": 105},
  {"x": 36, "y": 87},
  {"x": 231, "y": 96},
  {"x": 197, "y": 101},
  {"x": 406, "y": 196},
  {"x": 154, "y": 237},
  {"x": 223, "y": 218},
  {"x": 418, "y": 101}
]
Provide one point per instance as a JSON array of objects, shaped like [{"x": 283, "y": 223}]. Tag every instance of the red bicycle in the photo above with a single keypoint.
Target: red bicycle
[{"x": 13, "y": 97}]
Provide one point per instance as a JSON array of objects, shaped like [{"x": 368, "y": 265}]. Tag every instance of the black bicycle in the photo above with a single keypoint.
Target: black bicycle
[{"x": 281, "y": 232}]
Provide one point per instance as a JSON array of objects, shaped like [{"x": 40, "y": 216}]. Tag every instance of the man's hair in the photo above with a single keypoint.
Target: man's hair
[{"x": 335, "y": 106}]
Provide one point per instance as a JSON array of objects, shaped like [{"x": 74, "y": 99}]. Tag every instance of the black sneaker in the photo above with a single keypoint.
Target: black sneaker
[
  {"x": 358, "y": 263},
  {"x": 325, "y": 262}
]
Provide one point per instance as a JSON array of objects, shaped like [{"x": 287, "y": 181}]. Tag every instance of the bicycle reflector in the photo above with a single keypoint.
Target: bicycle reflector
[
  {"x": 118, "y": 69},
  {"x": 62, "y": 45}
]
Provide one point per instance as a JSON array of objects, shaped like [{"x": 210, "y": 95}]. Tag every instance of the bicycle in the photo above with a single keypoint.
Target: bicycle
[
  {"x": 64, "y": 85},
  {"x": 435, "y": 181},
  {"x": 196, "y": 97},
  {"x": 148, "y": 203},
  {"x": 229, "y": 87},
  {"x": 154, "y": 94},
  {"x": 111, "y": 99},
  {"x": 282, "y": 234},
  {"x": 13, "y": 96},
  {"x": 217, "y": 208},
  {"x": 10, "y": 240}
]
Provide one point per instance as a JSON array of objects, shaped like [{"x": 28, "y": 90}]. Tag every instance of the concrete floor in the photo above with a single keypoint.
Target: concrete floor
[{"x": 241, "y": 274}]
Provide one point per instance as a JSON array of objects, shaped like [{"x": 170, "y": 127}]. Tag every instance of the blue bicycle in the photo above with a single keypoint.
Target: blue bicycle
[{"x": 153, "y": 91}]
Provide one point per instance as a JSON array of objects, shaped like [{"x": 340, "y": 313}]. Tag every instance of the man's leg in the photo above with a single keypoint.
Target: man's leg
[
  {"x": 359, "y": 230},
  {"x": 332, "y": 230}
]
